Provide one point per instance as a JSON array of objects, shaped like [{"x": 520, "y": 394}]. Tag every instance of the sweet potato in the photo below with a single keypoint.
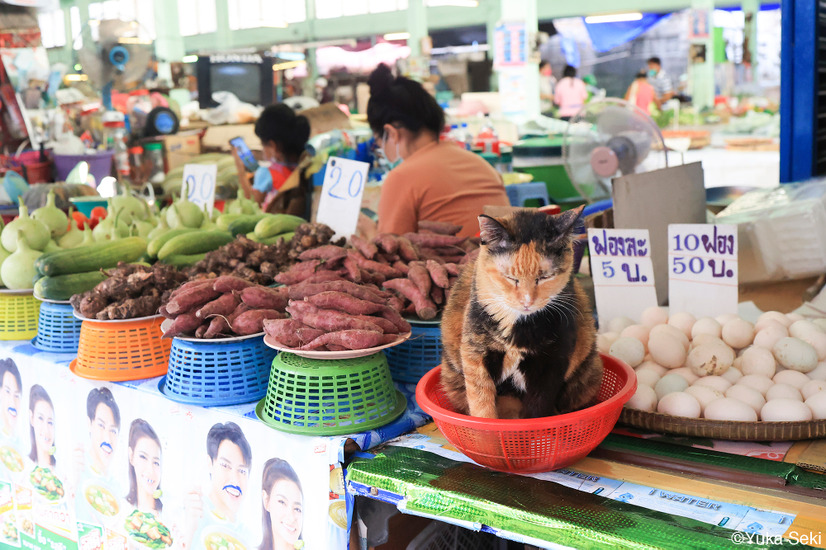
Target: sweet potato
[
  {"x": 438, "y": 273},
  {"x": 353, "y": 271},
  {"x": 425, "y": 308},
  {"x": 322, "y": 276},
  {"x": 387, "y": 242},
  {"x": 191, "y": 298},
  {"x": 442, "y": 228},
  {"x": 328, "y": 319},
  {"x": 372, "y": 265},
  {"x": 218, "y": 326},
  {"x": 386, "y": 326},
  {"x": 407, "y": 251},
  {"x": 401, "y": 267},
  {"x": 420, "y": 277},
  {"x": 307, "y": 334},
  {"x": 183, "y": 324},
  {"x": 201, "y": 330},
  {"x": 396, "y": 302},
  {"x": 189, "y": 285},
  {"x": 433, "y": 240},
  {"x": 342, "y": 301},
  {"x": 261, "y": 297},
  {"x": 223, "y": 305},
  {"x": 368, "y": 249},
  {"x": 327, "y": 253},
  {"x": 395, "y": 317},
  {"x": 242, "y": 308},
  {"x": 228, "y": 283},
  {"x": 350, "y": 339},
  {"x": 388, "y": 338},
  {"x": 452, "y": 269},
  {"x": 299, "y": 292},
  {"x": 252, "y": 321},
  {"x": 437, "y": 294},
  {"x": 372, "y": 277},
  {"x": 162, "y": 310},
  {"x": 284, "y": 331},
  {"x": 298, "y": 272}
]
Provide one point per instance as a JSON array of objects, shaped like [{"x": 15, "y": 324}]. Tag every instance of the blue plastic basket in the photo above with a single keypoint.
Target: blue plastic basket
[
  {"x": 57, "y": 329},
  {"x": 218, "y": 373},
  {"x": 412, "y": 359}
]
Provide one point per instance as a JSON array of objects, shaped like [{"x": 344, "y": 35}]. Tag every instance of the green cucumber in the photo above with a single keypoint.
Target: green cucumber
[
  {"x": 63, "y": 287},
  {"x": 194, "y": 243},
  {"x": 246, "y": 223},
  {"x": 89, "y": 257},
  {"x": 275, "y": 224},
  {"x": 223, "y": 221},
  {"x": 157, "y": 243},
  {"x": 272, "y": 240}
]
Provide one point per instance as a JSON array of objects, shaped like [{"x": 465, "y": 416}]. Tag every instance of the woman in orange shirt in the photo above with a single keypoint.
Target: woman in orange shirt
[{"x": 437, "y": 181}]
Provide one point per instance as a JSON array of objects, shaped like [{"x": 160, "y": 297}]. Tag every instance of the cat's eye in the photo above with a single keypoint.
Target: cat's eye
[
  {"x": 545, "y": 277},
  {"x": 513, "y": 280}
]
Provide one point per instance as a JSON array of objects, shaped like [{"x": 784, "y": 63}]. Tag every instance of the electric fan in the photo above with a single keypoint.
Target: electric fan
[{"x": 609, "y": 138}]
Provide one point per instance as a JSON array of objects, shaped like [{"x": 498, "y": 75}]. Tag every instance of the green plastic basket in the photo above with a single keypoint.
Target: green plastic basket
[{"x": 321, "y": 397}]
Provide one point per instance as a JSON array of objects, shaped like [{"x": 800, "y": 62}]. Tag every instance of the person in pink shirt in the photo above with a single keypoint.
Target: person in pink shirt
[
  {"x": 570, "y": 93},
  {"x": 640, "y": 92}
]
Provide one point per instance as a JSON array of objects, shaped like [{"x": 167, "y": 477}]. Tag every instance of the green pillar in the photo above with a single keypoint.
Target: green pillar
[
  {"x": 750, "y": 9},
  {"x": 308, "y": 87},
  {"x": 169, "y": 44},
  {"x": 701, "y": 75},
  {"x": 493, "y": 12},
  {"x": 519, "y": 85},
  {"x": 223, "y": 36},
  {"x": 416, "y": 26},
  {"x": 83, "y": 9}
]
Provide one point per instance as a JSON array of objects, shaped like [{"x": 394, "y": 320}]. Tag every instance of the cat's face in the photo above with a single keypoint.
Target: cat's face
[{"x": 527, "y": 260}]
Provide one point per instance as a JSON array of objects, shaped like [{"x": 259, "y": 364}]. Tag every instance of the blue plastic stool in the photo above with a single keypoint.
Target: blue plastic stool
[
  {"x": 421, "y": 352},
  {"x": 518, "y": 193},
  {"x": 217, "y": 373},
  {"x": 57, "y": 329}
]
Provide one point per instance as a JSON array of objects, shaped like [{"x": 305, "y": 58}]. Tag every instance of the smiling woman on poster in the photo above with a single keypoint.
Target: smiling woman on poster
[
  {"x": 11, "y": 440},
  {"x": 283, "y": 507},
  {"x": 42, "y": 423}
]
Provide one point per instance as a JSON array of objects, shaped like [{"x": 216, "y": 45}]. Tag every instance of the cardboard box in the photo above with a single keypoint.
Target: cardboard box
[
  {"x": 216, "y": 138},
  {"x": 180, "y": 148}
]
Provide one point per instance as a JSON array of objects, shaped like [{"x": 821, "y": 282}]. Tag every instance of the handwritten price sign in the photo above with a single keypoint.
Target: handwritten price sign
[
  {"x": 199, "y": 184},
  {"x": 622, "y": 271},
  {"x": 702, "y": 269},
  {"x": 341, "y": 194}
]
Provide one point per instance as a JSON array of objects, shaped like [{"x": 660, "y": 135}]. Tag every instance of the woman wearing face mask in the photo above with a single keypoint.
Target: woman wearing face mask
[
  {"x": 283, "y": 507},
  {"x": 429, "y": 180},
  {"x": 281, "y": 187}
]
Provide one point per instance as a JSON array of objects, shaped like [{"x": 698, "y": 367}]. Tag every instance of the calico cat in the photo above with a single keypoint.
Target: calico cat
[{"x": 518, "y": 337}]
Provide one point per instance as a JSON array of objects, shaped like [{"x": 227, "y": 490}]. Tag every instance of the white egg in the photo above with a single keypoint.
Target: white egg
[
  {"x": 716, "y": 382},
  {"x": 647, "y": 377},
  {"x": 670, "y": 383},
  {"x": 747, "y": 395},
  {"x": 775, "y": 316},
  {"x": 785, "y": 410},
  {"x": 818, "y": 341},
  {"x": 673, "y": 331},
  {"x": 666, "y": 350},
  {"x": 820, "y": 322},
  {"x": 799, "y": 329},
  {"x": 705, "y": 339},
  {"x": 757, "y": 381},
  {"x": 757, "y": 360},
  {"x": 791, "y": 377},
  {"x": 654, "y": 316},
  {"x": 725, "y": 318},
  {"x": 728, "y": 408},
  {"x": 656, "y": 367},
  {"x": 683, "y": 321},
  {"x": 794, "y": 317},
  {"x": 732, "y": 375},
  {"x": 604, "y": 341},
  {"x": 686, "y": 373},
  {"x": 768, "y": 336},
  {"x": 783, "y": 391},
  {"x": 628, "y": 350},
  {"x": 795, "y": 354},
  {"x": 738, "y": 333},
  {"x": 812, "y": 387},
  {"x": 817, "y": 404},
  {"x": 618, "y": 324},
  {"x": 679, "y": 404},
  {"x": 706, "y": 325},
  {"x": 644, "y": 399},
  {"x": 712, "y": 358},
  {"x": 704, "y": 394},
  {"x": 639, "y": 332},
  {"x": 819, "y": 373}
]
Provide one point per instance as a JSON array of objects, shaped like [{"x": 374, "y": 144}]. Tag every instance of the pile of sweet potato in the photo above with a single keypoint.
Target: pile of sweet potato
[
  {"x": 328, "y": 312},
  {"x": 221, "y": 307},
  {"x": 417, "y": 269}
]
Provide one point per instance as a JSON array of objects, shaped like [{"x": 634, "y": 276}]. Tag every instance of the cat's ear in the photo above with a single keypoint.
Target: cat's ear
[
  {"x": 563, "y": 223},
  {"x": 492, "y": 232}
]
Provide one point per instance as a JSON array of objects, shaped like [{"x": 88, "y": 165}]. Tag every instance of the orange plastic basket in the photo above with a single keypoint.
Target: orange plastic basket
[
  {"x": 116, "y": 351},
  {"x": 19, "y": 311},
  {"x": 533, "y": 444}
]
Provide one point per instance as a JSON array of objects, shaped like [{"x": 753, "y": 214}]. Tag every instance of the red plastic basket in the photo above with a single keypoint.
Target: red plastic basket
[{"x": 535, "y": 444}]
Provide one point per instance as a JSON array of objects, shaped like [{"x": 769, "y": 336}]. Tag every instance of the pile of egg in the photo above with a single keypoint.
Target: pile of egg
[{"x": 723, "y": 368}]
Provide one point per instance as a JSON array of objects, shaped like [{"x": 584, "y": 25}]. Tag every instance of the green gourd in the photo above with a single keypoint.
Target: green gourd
[
  {"x": 3, "y": 255},
  {"x": 129, "y": 207},
  {"x": 141, "y": 228},
  {"x": 18, "y": 271},
  {"x": 159, "y": 228},
  {"x": 51, "y": 246},
  {"x": 53, "y": 217},
  {"x": 36, "y": 232},
  {"x": 88, "y": 236},
  {"x": 73, "y": 237},
  {"x": 208, "y": 223},
  {"x": 112, "y": 227}
]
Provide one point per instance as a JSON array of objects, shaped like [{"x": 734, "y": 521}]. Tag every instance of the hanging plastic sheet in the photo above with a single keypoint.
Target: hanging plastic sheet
[{"x": 607, "y": 36}]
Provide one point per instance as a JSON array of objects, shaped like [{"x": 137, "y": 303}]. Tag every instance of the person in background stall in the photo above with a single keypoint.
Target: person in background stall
[
  {"x": 282, "y": 515},
  {"x": 657, "y": 77},
  {"x": 436, "y": 181},
  {"x": 547, "y": 82},
  {"x": 640, "y": 93},
  {"x": 281, "y": 187},
  {"x": 570, "y": 93}
]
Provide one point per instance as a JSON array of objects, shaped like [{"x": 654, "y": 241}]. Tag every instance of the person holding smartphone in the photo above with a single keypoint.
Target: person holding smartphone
[{"x": 280, "y": 187}]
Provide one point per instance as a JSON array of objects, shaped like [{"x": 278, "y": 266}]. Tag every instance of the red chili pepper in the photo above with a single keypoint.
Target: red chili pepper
[
  {"x": 99, "y": 212},
  {"x": 80, "y": 219}
]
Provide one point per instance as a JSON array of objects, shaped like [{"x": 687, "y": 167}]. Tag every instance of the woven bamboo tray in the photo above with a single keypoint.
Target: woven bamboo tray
[{"x": 724, "y": 429}]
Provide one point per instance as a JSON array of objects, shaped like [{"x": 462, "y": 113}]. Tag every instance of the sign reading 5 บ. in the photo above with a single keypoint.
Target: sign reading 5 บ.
[{"x": 341, "y": 194}]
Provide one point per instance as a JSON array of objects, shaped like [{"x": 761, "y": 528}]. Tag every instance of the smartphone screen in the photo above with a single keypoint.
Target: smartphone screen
[{"x": 244, "y": 153}]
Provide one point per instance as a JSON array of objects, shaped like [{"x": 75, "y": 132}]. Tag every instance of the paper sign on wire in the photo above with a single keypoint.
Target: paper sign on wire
[
  {"x": 341, "y": 195},
  {"x": 199, "y": 184},
  {"x": 702, "y": 269},
  {"x": 622, "y": 272}
]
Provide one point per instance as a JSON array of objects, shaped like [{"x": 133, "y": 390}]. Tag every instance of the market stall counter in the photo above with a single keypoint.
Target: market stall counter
[{"x": 87, "y": 464}]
